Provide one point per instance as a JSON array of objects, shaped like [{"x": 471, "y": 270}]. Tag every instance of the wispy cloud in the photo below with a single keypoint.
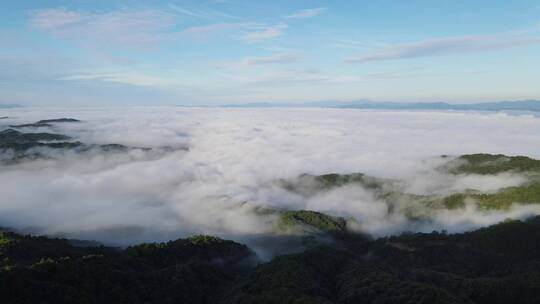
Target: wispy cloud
[
  {"x": 283, "y": 58},
  {"x": 125, "y": 27},
  {"x": 446, "y": 46},
  {"x": 265, "y": 33},
  {"x": 198, "y": 13},
  {"x": 123, "y": 77},
  {"x": 307, "y": 13},
  {"x": 359, "y": 45},
  {"x": 206, "y": 30},
  {"x": 56, "y": 20},
  {"x": 189, "y": 12}
]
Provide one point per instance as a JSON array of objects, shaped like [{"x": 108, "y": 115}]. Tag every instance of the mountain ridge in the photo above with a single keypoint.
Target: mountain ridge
[{"x": 519, "y": 105}]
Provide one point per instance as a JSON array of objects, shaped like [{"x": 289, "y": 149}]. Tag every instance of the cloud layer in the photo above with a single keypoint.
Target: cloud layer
[{"x": 233, "y": 160}]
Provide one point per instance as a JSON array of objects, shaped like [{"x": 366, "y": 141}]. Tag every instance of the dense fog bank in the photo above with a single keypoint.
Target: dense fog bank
[{"x": 208, "y": 170}]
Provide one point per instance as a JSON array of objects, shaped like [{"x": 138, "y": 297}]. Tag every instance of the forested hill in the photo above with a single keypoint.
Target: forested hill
[{"x": 498, "y": 264}]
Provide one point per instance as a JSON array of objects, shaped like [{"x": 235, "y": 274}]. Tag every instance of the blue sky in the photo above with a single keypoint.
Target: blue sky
[{"x": 115, "y": 53}]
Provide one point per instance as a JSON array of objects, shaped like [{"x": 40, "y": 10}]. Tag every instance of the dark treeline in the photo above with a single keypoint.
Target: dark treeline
[{"x": 498, "y": 264}]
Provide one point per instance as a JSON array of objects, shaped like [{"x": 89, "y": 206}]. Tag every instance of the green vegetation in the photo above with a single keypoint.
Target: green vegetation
[
  {"x": 493, "y": 164},
  {"x": 484, "y": 266},
  {"x": 308, "y": 185},
  {"x": 420, "y": 206},
  {"x": 45, "y": 123},
  {"x": 454, "y": 201},
  {"x": 18, "y": 142},
  {"x": 305, "y": 221},
  {"x": 525, "y": 194},
  {"x": 332, "y": 180},
  {"x": 18, "y": 146},
  {"x": 111, "y": 147},
  {"x": 293, "y": 219},
  {"x": 498, "y": 264},
  {"x": 4, "y": 239},
  {"x": 484, "y": 164},
  {"x": 43, "y": 270},
  {"x": 202, "y": 247},
  {"x": 11, "y": 136},
  {"x": 58, "y": 120},
  {"x": 27, "y": 146}
]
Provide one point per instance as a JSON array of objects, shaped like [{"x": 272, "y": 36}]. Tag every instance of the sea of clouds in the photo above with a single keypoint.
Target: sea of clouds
[{"x": 221, "y": 163}]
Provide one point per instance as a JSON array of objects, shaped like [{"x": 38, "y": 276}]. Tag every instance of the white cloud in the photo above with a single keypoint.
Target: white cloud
[
  {"x": 307, "y": 13},
  {"x": 265, "y": 33},
  {"x": 205, "y": 14},
  {"x": 128, "y": 28},
  {"x": 233, "y": 157},
  {"x": 56, "y": 19},
  {"x": 204, "y": 31},
  {"x": 185, "y": 11},
  {"x": 282, "y": 58},
  {"x": 129, "y": 78},
  {"x": 445, "y": 46},
  {"x": 141, "y": 28}
]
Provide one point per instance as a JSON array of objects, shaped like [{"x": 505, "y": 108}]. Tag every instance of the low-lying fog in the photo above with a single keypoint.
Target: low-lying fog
[{"x": 234, "y": 156}]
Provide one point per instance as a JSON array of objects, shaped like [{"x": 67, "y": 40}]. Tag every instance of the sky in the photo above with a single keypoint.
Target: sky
[{"x": 212, "y": 52}]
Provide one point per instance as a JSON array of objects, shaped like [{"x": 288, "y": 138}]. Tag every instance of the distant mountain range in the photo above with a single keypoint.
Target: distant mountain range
[
  {"x": 7, "y": 106},
  {"x": 523, "y": 105}
]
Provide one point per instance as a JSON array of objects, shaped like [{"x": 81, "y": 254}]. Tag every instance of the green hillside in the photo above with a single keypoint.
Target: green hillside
[
  {"x": 420, "y": 206},
  {"x": 321, "y": 222},
  {"x": 497, "y": 264},
  {"x": 493, "y": 164}
]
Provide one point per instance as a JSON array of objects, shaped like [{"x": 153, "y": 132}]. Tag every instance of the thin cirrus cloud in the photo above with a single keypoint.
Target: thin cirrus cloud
[
  {"x": 272, "y": 59},
  {"x": 189, "y": 12},
  {"x": 447, "y": 46},
  {"x": 307, "y": 13},
  {"x": 125, "y": 27},
  {"x": 204, "y": 14},
  {"x": 204, "y": 31},
  {"x": 139, "y": 29},
  {"x": 123, "y": 77},
  {"x": 265, "y": 33}
]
